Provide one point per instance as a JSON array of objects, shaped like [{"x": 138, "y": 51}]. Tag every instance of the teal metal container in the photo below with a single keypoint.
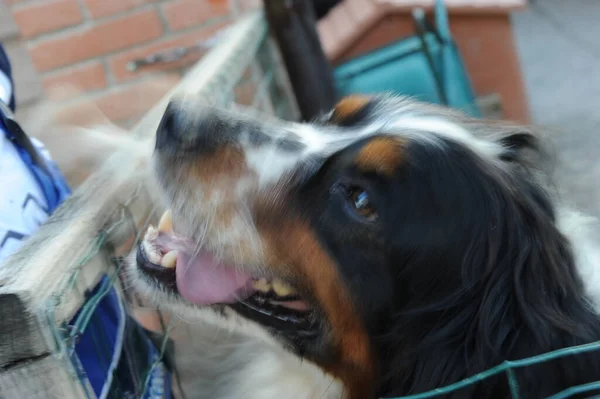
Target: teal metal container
[{"x": 427, "y": 66}]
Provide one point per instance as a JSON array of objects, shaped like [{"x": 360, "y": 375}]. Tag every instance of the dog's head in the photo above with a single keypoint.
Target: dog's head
[{"x": 325, "y": 234}]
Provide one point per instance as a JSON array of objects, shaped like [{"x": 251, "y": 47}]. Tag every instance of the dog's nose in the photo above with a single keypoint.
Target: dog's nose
[
  {"x": 173, "y": 127},
  {"x": 198, "y": 129}
]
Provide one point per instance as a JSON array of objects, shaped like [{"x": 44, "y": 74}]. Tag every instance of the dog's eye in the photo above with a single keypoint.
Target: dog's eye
[{"x": 360, "y": 202}]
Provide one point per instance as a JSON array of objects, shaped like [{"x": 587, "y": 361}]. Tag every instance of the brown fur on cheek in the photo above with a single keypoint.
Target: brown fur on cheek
[
  {"x": 382, "y": 155},
  {"x": 219, "y": 174},
  {"x": 217, "y": 178},
  {"x": 226, "y": 163},
  {"x": 292, "y": 243}
]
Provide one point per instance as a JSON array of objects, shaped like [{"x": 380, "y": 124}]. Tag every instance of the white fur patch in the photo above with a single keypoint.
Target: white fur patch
[
  {"x": 274, "y": 374},
  {"x": 272, "y": 164},
  {"x": 434, "y": 128}
]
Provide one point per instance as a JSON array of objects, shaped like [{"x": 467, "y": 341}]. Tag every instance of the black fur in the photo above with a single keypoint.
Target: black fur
[{"x": 463, "y": 270}]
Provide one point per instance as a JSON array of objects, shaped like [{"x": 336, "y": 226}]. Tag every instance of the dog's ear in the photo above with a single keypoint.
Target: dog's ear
[
  {"x": 350, "y": 111},
  {"x": 518, "y": 142},
  {"x": 524, "y": 149}
]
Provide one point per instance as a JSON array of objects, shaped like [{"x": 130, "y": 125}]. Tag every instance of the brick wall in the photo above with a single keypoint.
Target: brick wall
[{"x": 81, "y": 48}]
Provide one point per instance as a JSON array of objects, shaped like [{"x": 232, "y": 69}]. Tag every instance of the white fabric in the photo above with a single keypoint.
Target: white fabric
[
  {"x": 23, "y": 206},
  {"x": 5, "y": 88},
  {"x": 116, "y": 356}
]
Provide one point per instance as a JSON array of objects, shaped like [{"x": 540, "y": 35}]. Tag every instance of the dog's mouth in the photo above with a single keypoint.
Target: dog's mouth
[{"x": 177, "y": 265}]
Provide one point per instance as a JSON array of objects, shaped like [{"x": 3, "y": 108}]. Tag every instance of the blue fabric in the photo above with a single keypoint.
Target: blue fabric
[
  {"x": 54, "y": 185},
  {"x": 102, "y": 339},
  {"x": 115, "y": 354}
]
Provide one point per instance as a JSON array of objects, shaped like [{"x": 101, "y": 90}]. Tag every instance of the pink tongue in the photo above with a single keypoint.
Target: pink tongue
[{"x": 203, "y": 280}]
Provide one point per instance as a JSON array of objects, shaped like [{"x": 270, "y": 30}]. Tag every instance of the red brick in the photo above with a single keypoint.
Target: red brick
[
  {"x": 247, "y": 74},
  {"x": 39, "y": 18},
  {"x": 246, "y": 5},
  {"x": 104, "y": 8},
  {"x": 118, "y": 104},
  {"x": 81, "y": 79},
  {"x": 118, "y": 63},
  {"x": 121, "y": 103},
  {"x": 244, "y": 93},
  {"x": 97, "y": 40},
  {"x": 137, "y": 99},
  {"x": 186, "y": 13}
]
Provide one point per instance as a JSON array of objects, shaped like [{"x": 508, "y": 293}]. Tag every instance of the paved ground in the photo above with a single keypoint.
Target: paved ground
[{"x": 559, "y": 47}]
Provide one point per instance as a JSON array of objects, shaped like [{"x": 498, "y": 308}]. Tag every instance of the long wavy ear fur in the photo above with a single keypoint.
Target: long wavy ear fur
[{"x": 519, "y": 293}]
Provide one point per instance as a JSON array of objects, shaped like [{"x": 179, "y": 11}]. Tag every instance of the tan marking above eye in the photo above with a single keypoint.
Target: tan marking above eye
[
  {"x": 349, "y": 106},
  {"x": 381, "y": 155}
]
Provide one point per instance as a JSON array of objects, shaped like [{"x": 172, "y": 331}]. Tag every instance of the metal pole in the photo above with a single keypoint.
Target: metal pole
[{"x": 293, "y": 25}]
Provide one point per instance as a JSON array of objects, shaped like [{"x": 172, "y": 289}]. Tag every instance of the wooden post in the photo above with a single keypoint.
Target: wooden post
[{"x": 293, "y": 25}]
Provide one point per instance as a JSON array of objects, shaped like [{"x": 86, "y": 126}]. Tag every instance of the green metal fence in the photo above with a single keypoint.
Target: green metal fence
[{"x": 508, "y": 368}]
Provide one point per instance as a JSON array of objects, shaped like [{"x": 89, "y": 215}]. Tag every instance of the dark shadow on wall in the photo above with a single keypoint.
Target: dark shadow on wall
[{"x": 322, "y": 7}]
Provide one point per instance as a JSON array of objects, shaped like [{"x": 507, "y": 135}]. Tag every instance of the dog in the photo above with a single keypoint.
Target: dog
[{"x": 389, "y": 248}]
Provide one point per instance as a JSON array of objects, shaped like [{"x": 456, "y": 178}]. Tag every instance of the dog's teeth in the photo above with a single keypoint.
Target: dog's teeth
[
  {"x": 165, "y": 225},
  {"x": 169, "y": 260},
  {"x": 151, "y": 253},
  {"x": 262, "y": 285},
  {"x": 151, "y": 233},
  {"x": 282, "y": 288}
]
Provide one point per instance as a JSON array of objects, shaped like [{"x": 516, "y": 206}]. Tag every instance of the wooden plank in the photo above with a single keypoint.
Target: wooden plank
[
  {"x": 20, "y": 337},
  {"x": 458, "y": 6},
  {"x": 364, "y": 15},
  {"x": 44, "y": 378}
]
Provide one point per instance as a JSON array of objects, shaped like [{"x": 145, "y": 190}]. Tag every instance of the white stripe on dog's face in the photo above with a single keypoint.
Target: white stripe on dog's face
[{"x": 394, "y": 117}]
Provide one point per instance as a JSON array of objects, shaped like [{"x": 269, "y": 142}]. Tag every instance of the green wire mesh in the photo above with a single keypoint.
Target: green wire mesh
[{"x": 508, "y": 367}]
